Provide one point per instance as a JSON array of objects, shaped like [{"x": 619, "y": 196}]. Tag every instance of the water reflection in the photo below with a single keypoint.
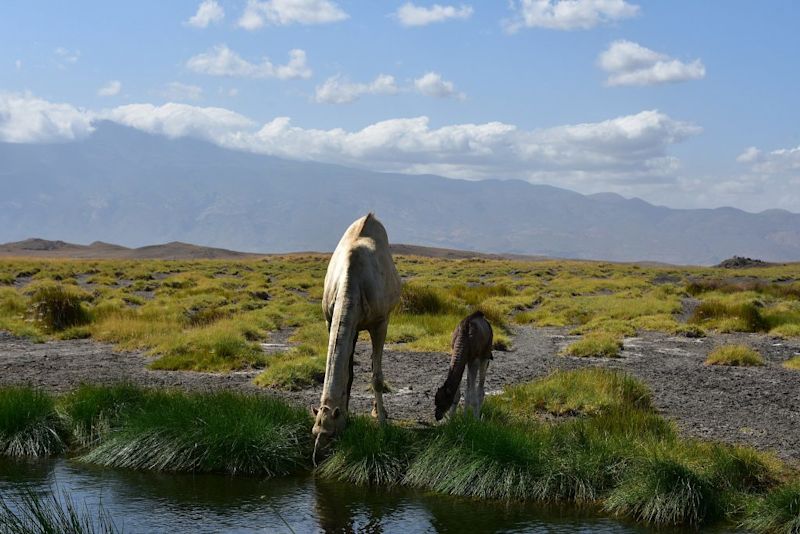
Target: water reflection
[{"x": 158, "y": 502}]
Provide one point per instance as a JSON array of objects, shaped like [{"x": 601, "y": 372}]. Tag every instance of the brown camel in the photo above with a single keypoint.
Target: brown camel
[
  {"x": 471, "y": 348},
  {"x": 361, "y": 289}
]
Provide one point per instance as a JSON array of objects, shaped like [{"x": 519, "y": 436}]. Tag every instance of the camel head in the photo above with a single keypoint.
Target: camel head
[
  {"x": 328, "y": 422},
  {"x": 443, "y": 400}
]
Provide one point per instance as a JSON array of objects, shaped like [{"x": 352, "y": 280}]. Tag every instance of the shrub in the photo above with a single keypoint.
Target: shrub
[
  {"x": 29, "y": 425},
  {"x": 596, "y": 344},
  {"x": 56, "y": 307},
  {"x": 734, "y": 355}
]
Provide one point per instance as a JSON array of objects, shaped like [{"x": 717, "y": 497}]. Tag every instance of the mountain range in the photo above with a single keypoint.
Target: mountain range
[{"x": 125, "y": 186}]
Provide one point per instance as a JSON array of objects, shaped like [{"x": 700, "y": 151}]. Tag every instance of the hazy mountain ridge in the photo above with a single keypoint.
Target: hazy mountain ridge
[{"x": 121, "y": 185}]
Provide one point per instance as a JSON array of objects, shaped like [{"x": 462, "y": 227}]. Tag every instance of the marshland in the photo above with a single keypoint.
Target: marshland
[{"x": 619, "y": 394}]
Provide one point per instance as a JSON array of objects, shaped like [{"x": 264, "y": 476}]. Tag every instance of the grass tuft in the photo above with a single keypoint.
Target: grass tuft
[
  {"x": 738, "y": 355},
  {"x": 792, "y": 363},
  {"x": 665, "y": 489},
  {"x": 32, "y": 512},
  {"x": 578, "y": 392},
  {"x": 56, "y": 307},
  {"x": 211, "y": 432},
  {"x": 29, "y": 425},
  {"x": 778, "y": 512},
  {"x": 370, "y": 453},
  {"x": 596, "y": 345}
]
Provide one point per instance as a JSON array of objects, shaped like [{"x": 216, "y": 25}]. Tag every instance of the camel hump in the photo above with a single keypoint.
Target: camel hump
[{"x": 369, "y": 226}]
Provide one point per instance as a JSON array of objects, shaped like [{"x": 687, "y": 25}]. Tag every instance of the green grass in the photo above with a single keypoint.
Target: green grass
[
  {"x": 776, "y": 513},
  {"x": 370, "y": 453},
  {"x": 29, "y": 425},
  {"x": 665, "y": 489},
  {"x": 596, "y": 345},
  {"x": 212, "y": 432},
  {"x": 792, "y": 363},
  {"x": 209, "y": 315},
  {"x": 92, "y": 412},
  {"x": 56, "y": 307},
  {"x": 738, "y": 355},
  {"x": 579, "y": 392},
  {"x": 33, "y": 512}
]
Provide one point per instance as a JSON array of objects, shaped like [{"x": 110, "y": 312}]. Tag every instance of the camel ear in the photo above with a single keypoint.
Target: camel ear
[
  {"x": 314, "y": 411},
  {"x": 335, "y": 413}
]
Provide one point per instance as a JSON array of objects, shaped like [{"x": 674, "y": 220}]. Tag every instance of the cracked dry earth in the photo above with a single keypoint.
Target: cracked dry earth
[{"x": 759, "y": 406}]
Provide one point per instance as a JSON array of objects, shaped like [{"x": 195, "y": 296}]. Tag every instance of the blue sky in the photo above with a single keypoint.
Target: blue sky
[{"x": 683, "y": 103}]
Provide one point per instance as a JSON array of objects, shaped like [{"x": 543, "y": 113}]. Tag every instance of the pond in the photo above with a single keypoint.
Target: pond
[{"x": 159, "y": 502}]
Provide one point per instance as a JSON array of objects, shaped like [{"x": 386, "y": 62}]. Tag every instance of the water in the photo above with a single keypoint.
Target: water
[{"x": 175, "y": 503}]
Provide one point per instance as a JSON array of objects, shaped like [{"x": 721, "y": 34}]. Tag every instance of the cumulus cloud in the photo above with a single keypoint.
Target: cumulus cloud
[
  {"x": 567, "y": 14},
  {"x": 432, "y": 84},
  {"x": 286, "y": 12},
  {"x": 112, "y": 88},
  {"x": 222, "y": 61},
  {"x": 783, "y": 162},
  {"x": 18, "y": 64},
  {"x": 25, "y": 118},
  {"x": 629, "y": 63},
  {"x": 182, "y": 91},
  {"x": 410, "y": 14},
  {"x": 631, "y": 149},
  {"x": 208, "y": 12},
  {"x": 179, "y": 120},
  {"x": 338, "y": 90}
]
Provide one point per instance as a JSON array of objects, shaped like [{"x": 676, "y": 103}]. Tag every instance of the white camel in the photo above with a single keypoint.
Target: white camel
[{"x": 361, "y": 289}]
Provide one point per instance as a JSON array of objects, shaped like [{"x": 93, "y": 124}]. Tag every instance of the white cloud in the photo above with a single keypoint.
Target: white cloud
[
  {"x": 27, "y": 119},
  {"x": 178, "y": 120},
  {"x": 432, "y": 84},
  {"x": 629, "y": 63},
  {"x": 18, "y": 64},
  {"x": 567, "y": 14},
  {"x": 182, "y": 91},
  {"x": 208, "y": 12},
  {"x": 338, "y": 90},
  {"x": 222, "y": 61},
  {"x": 628, "y": 151},
  {"x": 783, "y": 162},
  {"x": 66, "y": 56},
  {"x": 412, "y": 15},
  {"x": 112, "y": 88},
  {"x": 286, "y": 12}
]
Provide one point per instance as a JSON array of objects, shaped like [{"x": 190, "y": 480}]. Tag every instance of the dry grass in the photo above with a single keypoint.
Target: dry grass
[{"x": 738, "y": 355}]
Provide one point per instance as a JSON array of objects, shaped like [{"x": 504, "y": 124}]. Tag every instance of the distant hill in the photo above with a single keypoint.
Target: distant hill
[
  {"x": 121, "y": 185},
  {"x": 43, "y": 248}
]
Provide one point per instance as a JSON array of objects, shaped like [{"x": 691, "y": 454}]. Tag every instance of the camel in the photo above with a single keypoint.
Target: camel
[
  {"x": 471, "y": 348},
  {"x": 361, "y": 289}
]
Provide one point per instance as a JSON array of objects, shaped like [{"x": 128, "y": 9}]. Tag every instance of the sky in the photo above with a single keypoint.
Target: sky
[{"x": 682, "y": 103}]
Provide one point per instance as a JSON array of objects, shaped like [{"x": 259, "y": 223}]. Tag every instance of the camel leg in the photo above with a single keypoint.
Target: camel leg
[
  {"x": 481, "y": 382},
  {"x": 350, "y": 379},
  {"x": 378, "y": 335},
  {"x": 470, "y": 402}
]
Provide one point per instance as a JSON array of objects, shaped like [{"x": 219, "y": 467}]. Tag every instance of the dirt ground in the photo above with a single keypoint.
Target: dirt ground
[{"x": 756, "y": 406}]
